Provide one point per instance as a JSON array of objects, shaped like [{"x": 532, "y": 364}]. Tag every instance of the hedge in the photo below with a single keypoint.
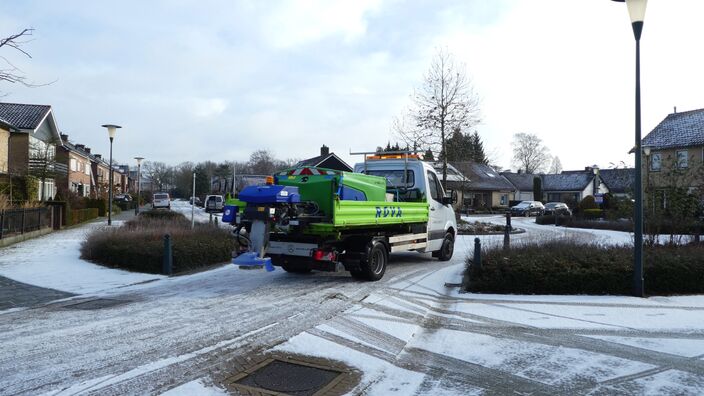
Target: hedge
[
  {"x": 100, "y": 203},
  {"x": 82, "y": 215},
  {"x": 139, "y": 244},
  {"x": 566, "y": 267}
]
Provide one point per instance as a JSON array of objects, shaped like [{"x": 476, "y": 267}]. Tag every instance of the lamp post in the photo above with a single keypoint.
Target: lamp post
[
  {"x": 139, "y": 183},
  {"x": 111, "y": 132},
  {"x": 636, "y": 11}
]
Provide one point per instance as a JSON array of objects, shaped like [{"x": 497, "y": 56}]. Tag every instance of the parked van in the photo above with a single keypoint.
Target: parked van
[
  {"x": 161, "y": 200},
  {"x": 214, "y": 203}
]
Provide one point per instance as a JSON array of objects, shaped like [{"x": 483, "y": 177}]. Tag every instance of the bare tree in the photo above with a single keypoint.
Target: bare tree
[
  {"x": 262, "y": 162},
  {"x": 529, "y": 153},
  {"x": 445, "y": 103},
  {"x": 157, "y": 172},
  {"x": 556, "y": 166},
  {"x": 8, "y": 71},
  {"x": 42, "y": 163}
]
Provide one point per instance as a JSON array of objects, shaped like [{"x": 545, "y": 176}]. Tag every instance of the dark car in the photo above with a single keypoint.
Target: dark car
[
  {"x": 557, "y": 208},
  {"x": 527, "y": 208},
  {"x": 197, "y": 200},
  {"x": 123, "y": 198}
]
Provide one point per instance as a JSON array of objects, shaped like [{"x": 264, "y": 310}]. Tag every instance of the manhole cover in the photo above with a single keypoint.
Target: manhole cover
[
  {"x": 96, "y": 303},
  {"x": 290, "y": 377}
]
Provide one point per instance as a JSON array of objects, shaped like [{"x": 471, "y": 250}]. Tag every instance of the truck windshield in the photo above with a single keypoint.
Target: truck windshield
[{"x": 394, "y": 178}]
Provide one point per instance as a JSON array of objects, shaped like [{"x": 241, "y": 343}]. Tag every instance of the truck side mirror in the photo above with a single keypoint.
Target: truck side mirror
[{"x": 450, "y": 197}]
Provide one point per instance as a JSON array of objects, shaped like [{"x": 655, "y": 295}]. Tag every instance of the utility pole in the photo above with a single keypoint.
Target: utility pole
[{"x": 193, "y": 201}]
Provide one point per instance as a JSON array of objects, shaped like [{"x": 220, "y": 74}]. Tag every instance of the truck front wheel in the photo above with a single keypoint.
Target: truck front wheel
[
  {"x": 374, "y": 266},
  {"x": 447, "y": 248}
]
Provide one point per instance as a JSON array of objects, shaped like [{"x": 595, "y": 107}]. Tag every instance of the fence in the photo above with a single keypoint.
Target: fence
[{"x": 19, "y": 221}]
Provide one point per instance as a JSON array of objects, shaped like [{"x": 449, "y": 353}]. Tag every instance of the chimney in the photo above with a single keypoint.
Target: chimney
[
  {"x": 98, "y": 156},
  {"x": 64, "y": 137},
  {"x": 80, "y": 146},
  {"x": 324, "y": 150},
  {"x": 87, "y": 149},
  {"x": 675, "y": 109}
]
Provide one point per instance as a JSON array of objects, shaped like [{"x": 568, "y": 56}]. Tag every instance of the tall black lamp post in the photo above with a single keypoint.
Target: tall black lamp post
[
  {"x": 636, "y": 10},
  {"x": 139, "y": 183},
  {"x": 111, "y": 132}
]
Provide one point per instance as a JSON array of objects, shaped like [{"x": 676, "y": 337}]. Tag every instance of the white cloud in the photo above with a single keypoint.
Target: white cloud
[
  {"x": 297, "y": 22},
  {"x": 208, "y": 108}
]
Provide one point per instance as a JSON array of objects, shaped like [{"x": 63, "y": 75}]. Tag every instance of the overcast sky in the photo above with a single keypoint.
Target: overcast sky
[{"x": 216, "y": 80}]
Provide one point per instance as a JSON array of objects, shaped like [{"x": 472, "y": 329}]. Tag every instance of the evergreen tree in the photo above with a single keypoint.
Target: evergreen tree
[
  {"x": 428, "y": 155},
  {"x": 477, "y": 146}
]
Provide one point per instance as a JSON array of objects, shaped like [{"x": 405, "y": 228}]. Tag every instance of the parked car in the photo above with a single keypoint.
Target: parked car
[
  {"x": 527, "y": 208},
  {"x": 161, "y": 200},
  {"x": 197, "y": 201},
  {"x": 123, "y": 198},
  {"x": 557, "y": 208},
  {"x": 214, "y": 203}
]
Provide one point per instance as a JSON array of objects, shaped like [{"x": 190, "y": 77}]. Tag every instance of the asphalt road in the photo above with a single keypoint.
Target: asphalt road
[{"x": 149, "y": 338}]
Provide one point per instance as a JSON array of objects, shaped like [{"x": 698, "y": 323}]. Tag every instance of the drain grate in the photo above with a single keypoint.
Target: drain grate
[
  {"x": 95, "y": 304},
  {"x": 290, "y": 377}
]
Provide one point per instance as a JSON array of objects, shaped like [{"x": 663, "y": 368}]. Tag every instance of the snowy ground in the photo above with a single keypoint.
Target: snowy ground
[{"x": 410, "y": 333}]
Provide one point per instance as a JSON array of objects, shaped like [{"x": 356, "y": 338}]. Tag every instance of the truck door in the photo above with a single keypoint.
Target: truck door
[{"x": 436, "y": 222}]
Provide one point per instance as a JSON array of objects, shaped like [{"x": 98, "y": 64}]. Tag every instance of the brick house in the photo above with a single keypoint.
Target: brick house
[
  {"x": 100, "y": 169},
  {"x": 482, "y": 186},
  {"x": 675, "y": 154},
  {"x": 77, "y": 158},
  {"x": 33, "y": 138},
  {"x": 326, "y": 159}
]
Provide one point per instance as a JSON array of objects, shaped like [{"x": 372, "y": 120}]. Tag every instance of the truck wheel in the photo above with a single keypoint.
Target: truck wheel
[
  {"x": 447, "y": 248},
  {"x": 374, "y": 267}
]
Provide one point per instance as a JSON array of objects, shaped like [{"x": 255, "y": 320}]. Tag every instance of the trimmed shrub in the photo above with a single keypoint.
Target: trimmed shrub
[
  {"x": 139, "y": 244},
  {"x": 588, "y": 203},
  {"x": 592, "y": 213},
  {"x": 545, "y": 219},
  {"x": 82, "y": 215},
  {"x": 566, "y": 267}
]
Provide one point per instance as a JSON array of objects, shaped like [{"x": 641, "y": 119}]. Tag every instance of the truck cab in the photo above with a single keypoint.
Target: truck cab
[{"x": 420, "y": 184}]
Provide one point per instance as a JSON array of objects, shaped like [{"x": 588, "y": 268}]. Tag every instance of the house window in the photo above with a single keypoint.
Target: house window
[
  {"x": 655, "y": 162},
  {"x": 682, "y": 157},
  {"x": 73, "y": 164},
  {"x": 504, "y": 200}
]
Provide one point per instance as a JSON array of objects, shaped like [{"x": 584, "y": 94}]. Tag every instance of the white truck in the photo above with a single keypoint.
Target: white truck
[{"x": 313, "y": 218}]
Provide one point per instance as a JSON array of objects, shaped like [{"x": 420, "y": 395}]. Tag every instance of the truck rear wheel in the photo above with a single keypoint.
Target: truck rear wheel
[
  {"x": 374, "y": 266},
  {"x": 447, "y": 248}
]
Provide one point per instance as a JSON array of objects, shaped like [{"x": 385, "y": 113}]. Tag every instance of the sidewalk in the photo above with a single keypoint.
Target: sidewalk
[{"x": 49, "y": 267}]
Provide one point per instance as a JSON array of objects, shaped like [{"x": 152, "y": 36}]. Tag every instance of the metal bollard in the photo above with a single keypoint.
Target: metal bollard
[
  {"x": 507, "y": 232},
  {"x": 477, "y": 254},
  {"x": 210, "y": 220},
  {"x": 216, "y": 221},
  {"x": 167, "y": 267}
]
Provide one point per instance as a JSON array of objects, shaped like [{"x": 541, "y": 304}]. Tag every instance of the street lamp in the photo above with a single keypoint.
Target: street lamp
[
  {"x": 139, "y": 183},
  {"x": 636, "y": 10},
  {"x": 111, "y": 132}
]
